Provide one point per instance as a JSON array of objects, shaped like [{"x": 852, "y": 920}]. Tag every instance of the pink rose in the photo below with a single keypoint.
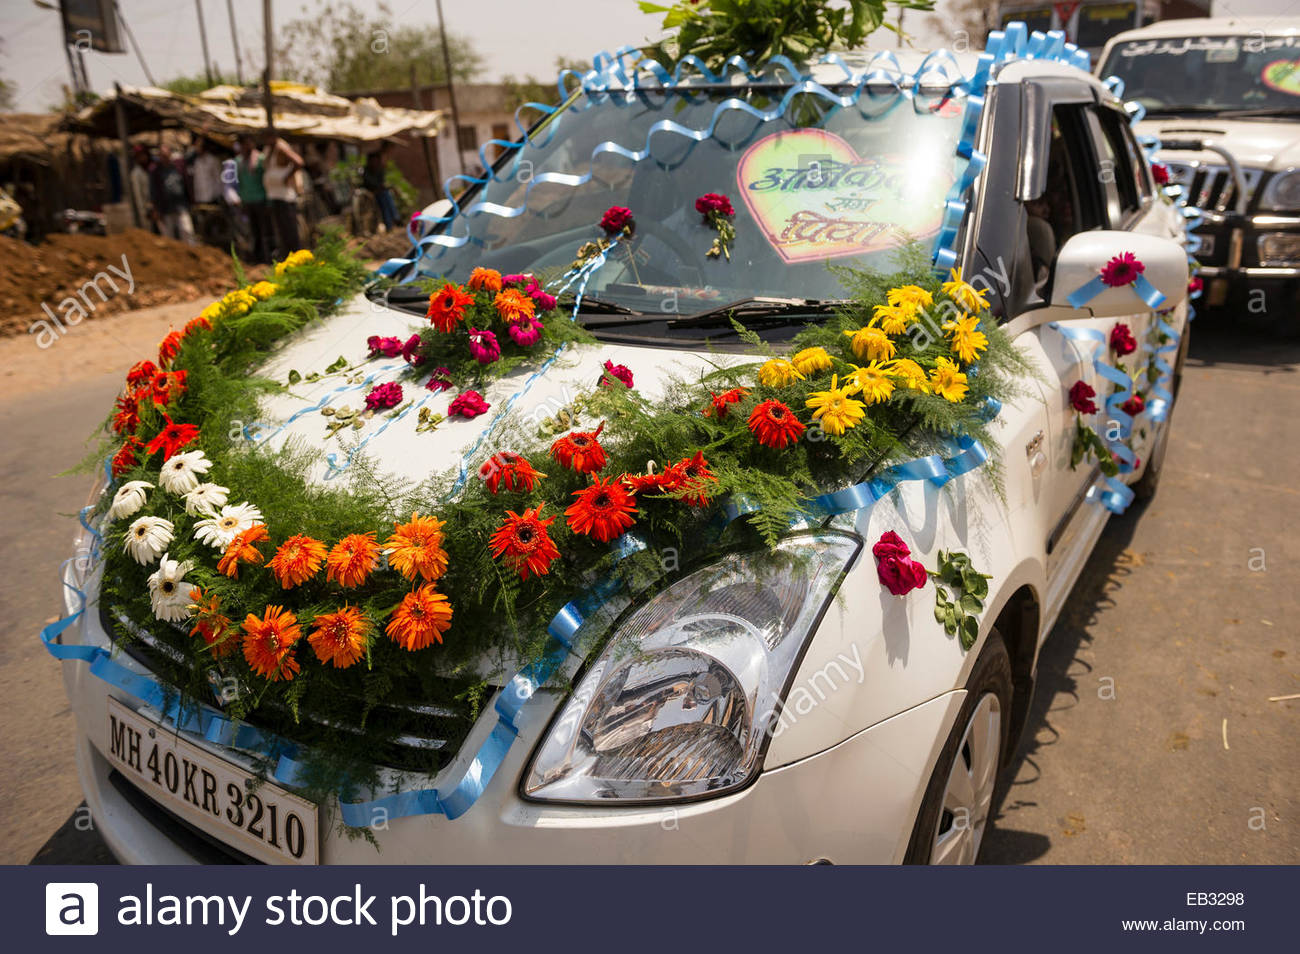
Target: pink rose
[
  {"x": 411, "y": 350},
  {"x": 468, "y": 404},
  {"x": 388, "y": 347},
  {"x": 616, "y": 219},
  {"x": 714, "y": 202},
  {"x": 440, "y": 381},
  {"x": 620, "y": 371},
  {"x": 384, "y": 396}
]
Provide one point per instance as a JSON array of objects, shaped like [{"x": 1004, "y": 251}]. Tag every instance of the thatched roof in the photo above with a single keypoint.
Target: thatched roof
[
  {"x": 229, "y": 111},
  {"x": 32, "y": 136}
]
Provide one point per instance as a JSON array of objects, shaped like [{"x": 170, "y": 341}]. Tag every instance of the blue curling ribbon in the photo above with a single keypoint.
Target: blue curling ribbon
[{"x": 1090, "y": 289}]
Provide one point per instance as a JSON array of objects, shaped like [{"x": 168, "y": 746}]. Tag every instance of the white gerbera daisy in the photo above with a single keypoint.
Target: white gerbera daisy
[
  {"x": 218, "y": 530},
  {"x": 206, "y": 499},
  {"x": 129, "y": 498},
  {"x": 148, "y": 538},
  {"x": 181, "y": 472},
  {"x": 168, "y": 591}
]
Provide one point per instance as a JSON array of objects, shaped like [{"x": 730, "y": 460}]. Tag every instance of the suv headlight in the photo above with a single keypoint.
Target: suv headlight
[
  {"x": 680, "y": 702},
  {"x": 1282, "y": 192}
]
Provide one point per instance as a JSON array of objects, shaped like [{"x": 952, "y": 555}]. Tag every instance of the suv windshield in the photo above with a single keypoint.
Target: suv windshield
[
  {"x": 846, "y": 184},
  {"x": 1210, "y": 73}
]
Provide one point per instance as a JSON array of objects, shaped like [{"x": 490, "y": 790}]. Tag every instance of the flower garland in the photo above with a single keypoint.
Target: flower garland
[{"x": 250, "y": 572}]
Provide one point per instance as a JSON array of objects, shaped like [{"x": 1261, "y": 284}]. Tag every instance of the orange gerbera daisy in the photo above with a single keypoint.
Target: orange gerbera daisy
[
  {"x": 169, "y": 348},
  {"x": 524, "y": 543},
  {"x": 514, "y": 306},
  {"x": 447, "y": 307},
  {"x": 664, "y": 481},
  {"x": 775, "y": 425},
  {"x": 509, "y": 469},
  {"x": 603, "y": 510},
  {"x": 268, "y": 643},
  {"x": 211, "y": 624},
  {"x": 581, "y": 451},
  {"x": 485, "y": 279},
  {"x": 416, "y": 548},
  {"x": 351, "y": 559},
  {"x": 297, "y": 560},
  {"x": 696, "y": 479},
  {"x": 340, "y": 637},
  {"x": 242, "y": 550},
  {"x": 201, "y": 323},
  {"x": 718, "y": 406},
  {"x": 167, "y": 386},
  {"x": 420, "y": 620}
]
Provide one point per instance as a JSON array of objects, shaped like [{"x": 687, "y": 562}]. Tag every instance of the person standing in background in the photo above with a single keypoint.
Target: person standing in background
[
  {"x": 375, "y": 178},
  {"x": 140, "y": 187},
  {"x": 170, "y": 199},
  {"x": 252, "y": 196},
  {"x": 206, "y": 173},
  {"x": 280, "y": 178}
]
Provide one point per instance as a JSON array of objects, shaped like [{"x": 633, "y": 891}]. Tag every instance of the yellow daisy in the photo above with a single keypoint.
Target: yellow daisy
[
  {"x": 893, "y": 319},
  {"x": 913, "y": 374},
  {"x": 872, "y": 382},
  {"x": 836, "y": 408},
  {"x": 967, "y": 341},
  {"x": 948, "y": 381},
  {"x": 963, "y": 293},
  {"x": 912, "y": 298},
  {"x": 778, "y": 372},
  {"x": 871, "y": 344},
  {"x": 811, "y": 360}
]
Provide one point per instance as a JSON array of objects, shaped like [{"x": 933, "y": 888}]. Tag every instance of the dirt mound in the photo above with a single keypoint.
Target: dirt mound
[{"x": 163, "y": 271}]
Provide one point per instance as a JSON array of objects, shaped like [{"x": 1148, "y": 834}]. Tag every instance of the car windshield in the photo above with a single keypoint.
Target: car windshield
[
  {"x": 820, "y": 183},
  {"x": 1210, "y": 73}
]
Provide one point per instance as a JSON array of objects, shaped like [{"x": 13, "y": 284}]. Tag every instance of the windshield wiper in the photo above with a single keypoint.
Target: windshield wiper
[
  {"x": 600, "y": 306},
  {"x": 758, "y": 307},
  {"x": 1261, "y": 111}
]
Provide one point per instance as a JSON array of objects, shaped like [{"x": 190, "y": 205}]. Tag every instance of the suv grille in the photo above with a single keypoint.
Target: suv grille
[{"x": 1210, "y": 187}]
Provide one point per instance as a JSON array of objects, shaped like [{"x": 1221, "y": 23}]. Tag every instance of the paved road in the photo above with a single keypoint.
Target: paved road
[{"x": 1152, "y": 738}]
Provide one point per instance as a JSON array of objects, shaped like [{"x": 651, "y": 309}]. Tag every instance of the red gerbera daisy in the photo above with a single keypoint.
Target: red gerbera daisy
[
  {"x": 1122, "y": 270},
  {"x": 524, "y": 543},
  {"x": 167, "y": 386},
  {"x": 664, "y": 481},
  {"x": 604, "y": 510},
  {"x": 172, "y": 438},
  {"x": 169, "y": 348},
  {"x": 126, "y": 458},
  {"x": 697, "y": 477},
  {"x": 141, "y": 372},
  {"x": 581, "y": 451},
  {"x": 509, "y": 469},
  {"x": 127, "y": 418},
  {"x": 447, "y": 307},
  {"x": 268, "y": 643},
  {"x": 718, "y": 406},
  {"x": 201, "y": 323},
  {"x": 775, "y": 425}
]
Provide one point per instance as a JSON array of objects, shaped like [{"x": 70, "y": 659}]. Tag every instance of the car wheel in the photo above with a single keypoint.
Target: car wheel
[
  {"x": 1145, "y": 487},
  {"x": 954, "y": 815}
]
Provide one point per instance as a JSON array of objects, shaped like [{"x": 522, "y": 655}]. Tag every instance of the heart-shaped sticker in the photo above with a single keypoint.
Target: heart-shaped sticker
[
  {"x": 814, "y": 197},
  {"x": 1283, "y": 76}
]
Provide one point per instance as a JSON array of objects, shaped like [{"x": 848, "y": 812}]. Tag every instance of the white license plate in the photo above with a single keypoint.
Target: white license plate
[{"x": 259, "y": 819}]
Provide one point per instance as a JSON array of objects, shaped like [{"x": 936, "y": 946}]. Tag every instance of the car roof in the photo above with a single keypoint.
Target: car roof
[{"x": 1212, "y": 26}]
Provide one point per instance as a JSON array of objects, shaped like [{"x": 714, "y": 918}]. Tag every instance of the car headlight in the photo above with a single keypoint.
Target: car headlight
[
  {"x": 680, "y": 702},
  {"x": 1282, "y": 192}
]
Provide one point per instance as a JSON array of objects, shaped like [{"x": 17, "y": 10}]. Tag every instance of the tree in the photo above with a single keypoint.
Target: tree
[
  {"x": 8, "y": 90},
  {"x": 343, "y": 49},
  {"x": 530, "y": 89},
  {"x": 193, "y": 85}
]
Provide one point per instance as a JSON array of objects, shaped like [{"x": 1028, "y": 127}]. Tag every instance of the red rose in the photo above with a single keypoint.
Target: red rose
[
  {"x": 616, "y": 219},
  {"x": 1194, "y": 284},
  {"x": 620, "y": 372},
  {"x": 1134, "y": 405},
  {"x": 890, "y": 544},
  {"x": 713, "y": 202},
  {"x": 900, "y": 575},
  {"x": 1081, "y": 395},
  {"x": 1122, "y": 341},
  {"x": 1160, "y": 172}
]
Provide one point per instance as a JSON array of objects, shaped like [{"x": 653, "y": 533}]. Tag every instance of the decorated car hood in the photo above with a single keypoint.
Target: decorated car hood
[
  {"x": 315, "y": 410},
  {"x": 1258, "y": 143}
]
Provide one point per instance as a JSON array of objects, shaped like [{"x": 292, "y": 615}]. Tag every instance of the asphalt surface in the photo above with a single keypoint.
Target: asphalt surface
[{"x": 1152, "y": 738}]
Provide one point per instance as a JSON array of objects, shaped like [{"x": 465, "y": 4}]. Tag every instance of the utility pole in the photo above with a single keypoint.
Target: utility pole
[
  {"x": 451, "y": 88},
  {"x": 234, "y": 39},
  {"x": 269, "y": 43},
  {"x": 203, "y": 41}
]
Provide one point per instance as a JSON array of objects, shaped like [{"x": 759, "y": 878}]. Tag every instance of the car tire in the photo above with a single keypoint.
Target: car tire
[
  {"x": 956, "y": 810},
  {"x": 1144, "y": 488}
]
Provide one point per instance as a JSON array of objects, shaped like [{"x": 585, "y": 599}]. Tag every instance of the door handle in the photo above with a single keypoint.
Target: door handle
[{"x": 1034, "y": 452}]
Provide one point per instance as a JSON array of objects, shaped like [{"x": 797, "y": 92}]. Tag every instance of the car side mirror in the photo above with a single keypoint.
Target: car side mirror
[{"x": 1076, "y": 279}]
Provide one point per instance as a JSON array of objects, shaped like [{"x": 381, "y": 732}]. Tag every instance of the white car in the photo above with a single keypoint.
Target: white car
[{"x": 886, "y": 736}]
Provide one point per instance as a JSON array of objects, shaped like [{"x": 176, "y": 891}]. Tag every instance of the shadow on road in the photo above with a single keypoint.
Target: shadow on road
[{"x": 75, "y": 843}]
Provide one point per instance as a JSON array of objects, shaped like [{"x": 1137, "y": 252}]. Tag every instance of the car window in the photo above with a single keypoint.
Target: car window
[
  {"x": 1072, "y": 202},
  {"x": 1120, "y": 169}
]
